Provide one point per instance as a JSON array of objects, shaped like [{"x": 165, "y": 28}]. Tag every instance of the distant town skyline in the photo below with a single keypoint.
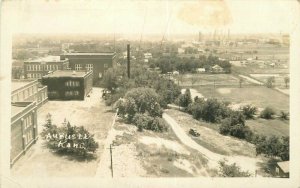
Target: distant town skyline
[{"x": 151, "y": 17}]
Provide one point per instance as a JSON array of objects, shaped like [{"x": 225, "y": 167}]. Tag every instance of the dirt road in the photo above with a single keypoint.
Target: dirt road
[{"x": 246, "y": 163}]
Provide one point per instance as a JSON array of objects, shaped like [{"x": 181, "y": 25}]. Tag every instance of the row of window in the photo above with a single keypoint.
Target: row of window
[
  {"x": 34, "y": 75},
  {"x": 88, "y": 67},
  {"x": 28, "y": 137},
  {"x": 40, "y": 67},
  {"x": 72, "y": 83},
  {"x": 71, "y": 93},
  {"x": 24, "y": 94},
  {"x": 27, "y": 122}
]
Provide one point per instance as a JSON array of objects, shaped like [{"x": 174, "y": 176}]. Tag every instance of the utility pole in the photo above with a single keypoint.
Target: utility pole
[
  {"x": 128, "y": 60},
  {"x": 111, "y": 160}
]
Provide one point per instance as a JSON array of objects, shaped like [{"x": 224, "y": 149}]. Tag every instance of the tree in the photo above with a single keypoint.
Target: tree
[
  {"x": 185, "y": 99},
  {"x": 194, "y": 80},
  {"x": 139, "y": 100},
  {"x": 284, "y": 115},
  {"x": 70, "y": 140},
  {"x": 286, "y": 81},
  {"x": 241, "y": 80},
  {"x": 226, "y": 170},
  {"x": 235, "y": 126},
  {"x": 249, "y": 111},
  {"x": 267, "y": 113},
  {"x": 270, "y": 82}
]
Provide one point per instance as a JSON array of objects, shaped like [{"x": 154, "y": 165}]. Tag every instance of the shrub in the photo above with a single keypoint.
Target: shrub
[
  {"x": 267, "y": 113},
  {"x": 143, "y": 121},
  {"x": 185, "y": 99},
  {"x": 235, "y": 126},
  {"x": 249, "y": 111},
  {"x": 284, "y": 115},
  {"x": 226, "y": 170},
  {"x": 273, "y": 147},
  {"x": 71, "y": 140}
]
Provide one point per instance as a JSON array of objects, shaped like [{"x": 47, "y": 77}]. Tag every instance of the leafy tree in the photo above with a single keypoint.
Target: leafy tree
[
  {"x": 273, "y": 147},
  {"x": 286, "y": 81},
  {"x": 235, "y": 126},
  {"x": 267, "y": 113},
  {"x": 284, "y": 115},
  {"x": 270, "y": 82},
  {"x": 249, "y": 111},
  {"x": 185, "y": 99},
  {"x": 68, "y": 139},
  {"x": 241, "y": 80},
  {"x": 226, "y": 170}
]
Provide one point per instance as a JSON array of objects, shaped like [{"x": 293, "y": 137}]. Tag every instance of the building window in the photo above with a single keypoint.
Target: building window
[
  {"x": 78, "y": 67},
  {"x": 72, "y": 83},
  {"x": 68, "y": 93},
  {"x": 76, "y": 93},
  {"x": 28, "y": 67},
  {"x": 89, "y": 67},
  {"x": 52, "y": 93}
]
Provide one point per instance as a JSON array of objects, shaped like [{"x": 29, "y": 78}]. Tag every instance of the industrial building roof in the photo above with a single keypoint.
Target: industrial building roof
[
  {"x": 66, "y": 73},
  {"x": 91, "y": 54},
  {"x": 46, "y": 59}
]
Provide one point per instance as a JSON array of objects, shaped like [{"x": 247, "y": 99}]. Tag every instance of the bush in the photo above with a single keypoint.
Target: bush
[
  {"x": 284, "y": 115},
  {"x": 143, "y": 121},
  {"x": 273, "y": 147},
  {"x": 71, "y": 140},
  {"x": 235, "y": 126},
  {"x": 185, "y": 99},
  {"x": 249, "y": 111},
  {"x": 267, "y": 113},
  {"x": 226, "y": 170}
]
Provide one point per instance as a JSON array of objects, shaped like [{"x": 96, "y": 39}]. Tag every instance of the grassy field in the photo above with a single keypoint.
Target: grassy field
[
  {"x": 210, "y": 80},
  {"x": 269, "y": 127},
  {"x": 90, "y": 113},
  {"x": 260, "y": 97}
]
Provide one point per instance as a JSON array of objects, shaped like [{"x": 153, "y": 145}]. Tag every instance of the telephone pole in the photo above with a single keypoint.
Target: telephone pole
[{"x": 111, "y": 160}]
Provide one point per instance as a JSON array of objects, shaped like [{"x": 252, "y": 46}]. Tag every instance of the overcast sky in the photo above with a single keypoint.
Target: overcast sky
[{"x": 135, "y": 16}]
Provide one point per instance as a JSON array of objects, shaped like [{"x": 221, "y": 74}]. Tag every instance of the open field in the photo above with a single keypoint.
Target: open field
[
  {"x": 260, "y": 97},
  {"x": 269, "y": 127},
  {"x": 211, "y": 80},
  {"x": 279, "y": 79},
  {"x": 156, "y": 155},
  {"x": 210, "y": 138},
  {"x": 90, "y": 113}
]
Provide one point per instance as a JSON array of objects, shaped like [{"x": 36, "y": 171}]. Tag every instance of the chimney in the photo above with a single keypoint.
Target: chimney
[{"x": 128, "y": 60}]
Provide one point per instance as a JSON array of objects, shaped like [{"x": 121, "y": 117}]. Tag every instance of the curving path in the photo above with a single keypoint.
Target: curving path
[{"x": 246, "y": 163}]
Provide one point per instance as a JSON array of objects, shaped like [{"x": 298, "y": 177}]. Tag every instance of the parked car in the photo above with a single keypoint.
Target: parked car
[{"x": 193, "y": 132}]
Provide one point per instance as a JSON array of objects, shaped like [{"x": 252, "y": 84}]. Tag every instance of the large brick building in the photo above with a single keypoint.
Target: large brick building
[
  {"x": 68, "y": 85},
  {"x": 26, "y": 97},
  {"x": 37, "y": 68},
  {"x": 24, "y": 130},
  {"x": 97, "y": 62},
  {"x": 28, "y": 91}
]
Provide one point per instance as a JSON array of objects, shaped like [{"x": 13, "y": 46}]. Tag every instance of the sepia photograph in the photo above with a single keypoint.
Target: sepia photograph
[{"x": 109, "y": 90}]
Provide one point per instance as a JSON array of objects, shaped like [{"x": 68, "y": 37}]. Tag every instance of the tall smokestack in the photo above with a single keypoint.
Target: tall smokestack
[{"x": 128, "y": 60}]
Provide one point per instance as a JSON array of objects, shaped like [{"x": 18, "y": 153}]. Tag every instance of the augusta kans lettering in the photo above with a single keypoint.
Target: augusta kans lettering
[{"x": 64, "y": 140}]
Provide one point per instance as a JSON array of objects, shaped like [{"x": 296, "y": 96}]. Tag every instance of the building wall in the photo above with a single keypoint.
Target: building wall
[
  {"x": 30, "y": 92},
  {"x": 68, "y": 88},
  {"x": 39, "y": 69},
  {"x": 100, "y": 63},
  {"x": 24, "y": 131}
]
